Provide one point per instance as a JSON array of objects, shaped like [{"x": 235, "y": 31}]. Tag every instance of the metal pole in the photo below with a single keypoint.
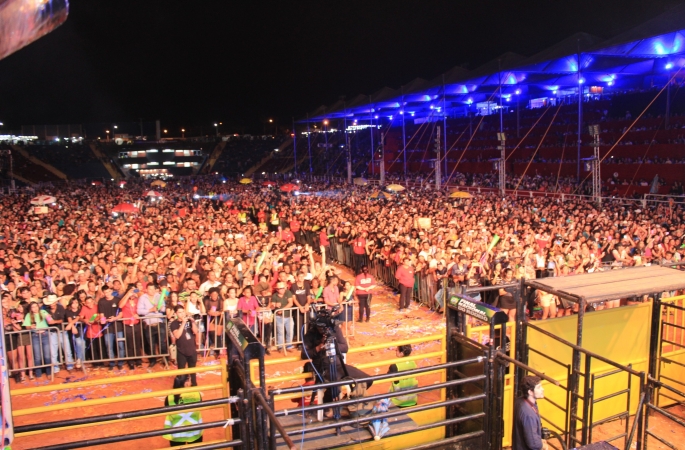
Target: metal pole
[
  {"x": 348, "y": 151},
  {"x": 295, "y": 146},
  {"x": 404, "y": 137},
  {"x": 667, "y": 117},
  {"x": 444, "y": 123},
  {"x": 371, "y": 129},
  {"x": 309, "y": 143},
  {"x": 325, "y": 150},
  {"x": 518, "y": 122},
  {"x": 596, "y": 173},
  {"x": 438, "y": 175},
  {"x": 382, "y": 162},
  {"x": 580, "y": 114},
  {"x": 501, "y": 116}
]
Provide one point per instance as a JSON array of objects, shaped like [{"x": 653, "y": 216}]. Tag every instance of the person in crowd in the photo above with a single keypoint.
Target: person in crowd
[
  {"x": 133, "y": 332},
  {"x": 185, "y": 332},
  {"x": 405, "y": 277},
  {"x": 248, "y": 305},
  {"x": 58, "y": 339},
  {"x": 215, "y": 321},
  {"x": 12, "y": 325},
  {"x": 38, "y": 321},
  {"x": 74, "y": 331},
  {"x": 281, "y": 303},
  {"x": 507, "y": 301},
  {"x": 183, "y": 419},
  {"x": 112, "y": 328},
  {"x": 364, "y": 284},
  {"x": 152, "y": 308},
  {"x": 527, "y": 427},
  {"x": 403, "y": 384},
  {"x": 301, "y": 299},
  {"x": 91, "y": 320}
]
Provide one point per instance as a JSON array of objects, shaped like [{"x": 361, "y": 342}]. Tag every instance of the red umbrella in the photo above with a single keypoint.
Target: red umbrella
[
  {"x": 268, "y": 183},
  {"x": 124, "y": 208},
  {"x": 289, "y": 187},
  {"x": 97, "y": 183}
]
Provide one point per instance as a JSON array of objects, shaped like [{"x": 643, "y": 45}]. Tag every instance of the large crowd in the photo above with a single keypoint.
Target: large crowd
[{"x": 81, "y": 285}]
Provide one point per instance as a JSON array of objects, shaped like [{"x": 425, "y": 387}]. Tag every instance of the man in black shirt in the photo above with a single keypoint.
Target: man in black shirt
[
  {"x": 108, "y": 307},
  {"x": 57, "y": 312},
  {"x": 184, "y": 330},
  {"x": 300, "y": 290}
]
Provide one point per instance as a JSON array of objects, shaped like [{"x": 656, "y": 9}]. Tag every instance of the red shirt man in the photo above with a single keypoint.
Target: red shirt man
[
  {"x": 323, "y": 238},
  {"x": 294, "y": 225},
  {"x": 364, "y": 282},
  {"x": 405, "y": 274},
  {"x": 261, "y": 216},
  {"x": 359, "y": 245}
]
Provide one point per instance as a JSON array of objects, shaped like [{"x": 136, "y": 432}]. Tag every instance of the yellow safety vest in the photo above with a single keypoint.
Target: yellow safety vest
[
  {"x": 274, "y": 219},
  {"x": 183, "y": 419},
  {"x": 242, "y": 217},
  {"x": 404, "y": 384}
]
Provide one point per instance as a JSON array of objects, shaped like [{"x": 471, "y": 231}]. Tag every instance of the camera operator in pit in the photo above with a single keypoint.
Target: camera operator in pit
[{"x": 314, "y": 347}]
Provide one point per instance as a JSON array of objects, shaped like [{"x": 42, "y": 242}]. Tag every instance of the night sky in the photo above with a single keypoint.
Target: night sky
[{"x": 243, "y": 62}]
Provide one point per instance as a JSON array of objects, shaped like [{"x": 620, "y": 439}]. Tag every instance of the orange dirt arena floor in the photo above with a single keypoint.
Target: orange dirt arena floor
[{"x": 387, "y": 326}]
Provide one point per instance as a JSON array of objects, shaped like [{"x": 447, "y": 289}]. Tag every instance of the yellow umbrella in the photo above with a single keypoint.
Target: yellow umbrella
[
  {"x": 395, "y": 187},
  {"x": 378, "y": 194},
  {"x": 245, "y": 181},
  {"x": 159, "y": 183},
  {"x": 361, "y": 181},
  {"x": 460, "y": 194}
]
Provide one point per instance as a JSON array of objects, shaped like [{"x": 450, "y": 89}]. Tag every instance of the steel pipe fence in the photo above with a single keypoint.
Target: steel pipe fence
[{"x": 283, "y": 330}]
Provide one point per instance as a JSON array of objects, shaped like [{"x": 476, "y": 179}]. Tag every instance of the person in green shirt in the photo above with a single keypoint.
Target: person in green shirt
[{"x": 38, "y": 321}]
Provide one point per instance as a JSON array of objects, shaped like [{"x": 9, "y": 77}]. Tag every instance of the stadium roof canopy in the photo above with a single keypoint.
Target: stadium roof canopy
[{"x": 642, "y": 57}]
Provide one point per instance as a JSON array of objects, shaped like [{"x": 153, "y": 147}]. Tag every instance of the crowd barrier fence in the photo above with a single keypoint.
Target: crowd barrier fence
[
  {"x": 38, "y": 427},
  {"x": 120, "y": 341}
]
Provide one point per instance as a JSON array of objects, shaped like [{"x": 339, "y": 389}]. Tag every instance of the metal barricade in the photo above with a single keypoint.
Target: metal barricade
[
  {"x": 120, "y": 340},
  {"x": 37, "y": 348},
  {"x": 288, "y": 329}
]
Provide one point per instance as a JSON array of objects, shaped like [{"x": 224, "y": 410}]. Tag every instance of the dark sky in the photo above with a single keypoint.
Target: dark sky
[{"x": 244, "y": 61}]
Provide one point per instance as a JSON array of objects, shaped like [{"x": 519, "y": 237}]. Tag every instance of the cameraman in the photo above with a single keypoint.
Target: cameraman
[
  {"x": 314, "y": 348},
  {"x": 314, "y": 345}
]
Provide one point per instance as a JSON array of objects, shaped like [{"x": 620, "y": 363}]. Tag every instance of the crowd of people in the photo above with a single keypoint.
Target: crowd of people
[{"x": 81, "y": 285}]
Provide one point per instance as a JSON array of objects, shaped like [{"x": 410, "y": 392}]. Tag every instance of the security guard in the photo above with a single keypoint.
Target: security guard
[
  {"x": 185, "y": 418},
  {"x": 405, "y": 383}
]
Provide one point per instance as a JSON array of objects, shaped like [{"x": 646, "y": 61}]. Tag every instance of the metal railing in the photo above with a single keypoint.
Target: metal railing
[
  {"x": 119, "y": 341},
  {"x": 42, "y": 350},
  {"x": 355, "y": 402},
  {"x": 72, "y": 418},
  {"x": 581, "y": 386}
]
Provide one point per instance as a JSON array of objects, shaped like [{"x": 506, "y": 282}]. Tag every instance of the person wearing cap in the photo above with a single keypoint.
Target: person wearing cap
[
  {"x": 113, "y": 331},
  {"x": 281, "y": 301},
  {"x": 58, "y": 338}
]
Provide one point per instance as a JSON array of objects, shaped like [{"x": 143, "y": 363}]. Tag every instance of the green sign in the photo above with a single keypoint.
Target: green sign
[
  {"x": 479, "y": 310},
  {"x": 233, "y": 330}
]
